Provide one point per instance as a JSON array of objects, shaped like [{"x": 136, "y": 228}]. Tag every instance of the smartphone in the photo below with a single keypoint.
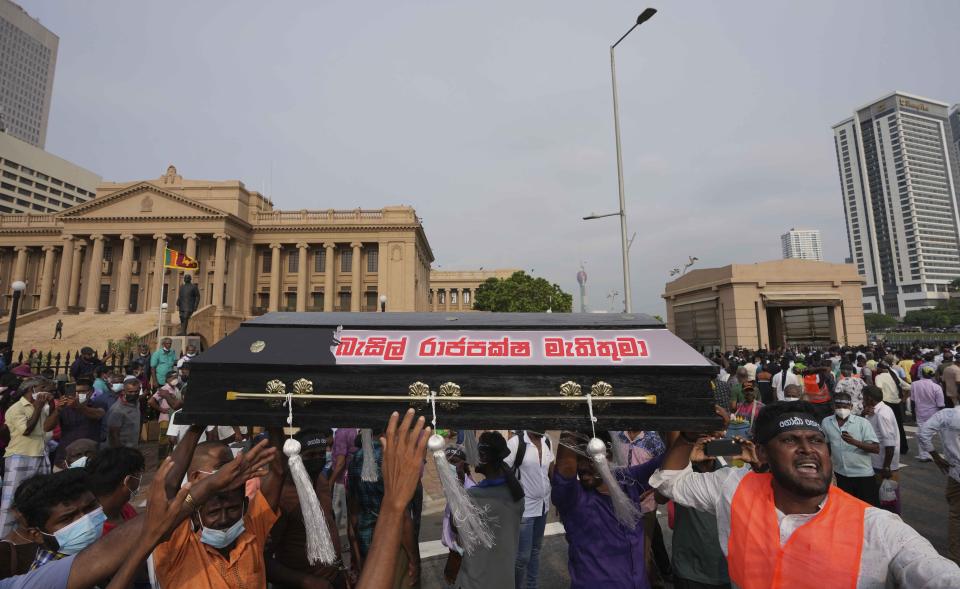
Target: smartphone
[
  {"x": 722, "y": 448},
  {"x": 70, "y": 389}
]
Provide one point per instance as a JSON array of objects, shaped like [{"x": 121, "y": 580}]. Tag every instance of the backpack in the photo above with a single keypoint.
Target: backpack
[{"x": 522, "y": 450}]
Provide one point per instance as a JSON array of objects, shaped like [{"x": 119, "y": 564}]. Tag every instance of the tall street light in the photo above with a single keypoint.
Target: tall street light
[
  {"x": 18, "y": 288},
  {"x": 627, "y": 295}
]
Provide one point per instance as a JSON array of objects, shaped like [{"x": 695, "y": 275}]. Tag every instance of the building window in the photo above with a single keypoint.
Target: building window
[
  {"x": 267, "y": 266},
  {"x": 373, "y": 260},
  {"x": 441, "y": 297},
  {"x": 370, "y": 301},
  {"x": 316, "y": 301},
  {"x": 346, "y": 260},
  {"x": 453, "y": 297},
  {"x": 108, "y": 253},
  {"x": 293, "y": 262},
  {"x": 344, "y": 301},
  {"x": 466, "y": 297},
  {"x": 320, "y": 260}
]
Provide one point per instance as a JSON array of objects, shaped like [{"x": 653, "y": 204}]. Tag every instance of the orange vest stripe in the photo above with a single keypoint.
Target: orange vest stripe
[
  {"x": 815, "y": 394},
  {"x": 828, "y": 547}
]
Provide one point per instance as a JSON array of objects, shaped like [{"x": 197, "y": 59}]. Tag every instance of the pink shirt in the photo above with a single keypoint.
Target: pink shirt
[{"x": 927, "y": 398}]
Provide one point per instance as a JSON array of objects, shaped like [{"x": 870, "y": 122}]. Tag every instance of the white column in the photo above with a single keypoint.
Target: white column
[
  {"x": 329, "y": 284},
  {"x": 355, "y": 277},
  {"x": 156, "y": 289},
  {"x": 74, "y": 298},
  {"x": 63, "y": 283},
  {"x": 93, "y": 274},
  {"x": 20, "y": 269},
  {"x": 126, "y": 272},
  {"x": 275, "y": 278},
  {"x": 219, "y": 265},
  {"x": 46, "y": 279},
  {"x": 303, "y": 276}
]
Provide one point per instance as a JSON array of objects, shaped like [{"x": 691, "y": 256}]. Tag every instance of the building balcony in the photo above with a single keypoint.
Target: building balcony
[{"x": 257, "y": 311}]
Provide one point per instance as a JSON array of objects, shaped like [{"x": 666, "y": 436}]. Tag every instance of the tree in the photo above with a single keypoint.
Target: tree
[
  {"x": 521, "y": 293},
  {"x": 876, "y": 321}
]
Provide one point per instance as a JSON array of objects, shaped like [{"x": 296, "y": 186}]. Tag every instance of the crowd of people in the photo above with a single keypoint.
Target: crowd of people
[{"x": 812, "y": 484}]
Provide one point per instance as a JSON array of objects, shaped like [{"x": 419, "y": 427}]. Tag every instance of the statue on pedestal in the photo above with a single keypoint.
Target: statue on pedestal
[{"x": 187, "y": 302}]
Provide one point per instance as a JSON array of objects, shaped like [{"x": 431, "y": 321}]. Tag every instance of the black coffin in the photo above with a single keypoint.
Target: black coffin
[{"x": 497, "y": 355}]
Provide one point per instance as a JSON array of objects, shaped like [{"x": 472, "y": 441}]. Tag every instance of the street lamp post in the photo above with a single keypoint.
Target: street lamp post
[
  {"x": 383, "y": 303},
  {"x": 18, "y": 287},
  {"x": 627, "y": 295}
]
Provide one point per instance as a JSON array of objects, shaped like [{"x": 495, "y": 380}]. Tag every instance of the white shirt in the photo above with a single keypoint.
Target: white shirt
[
  {"x": 893, "y": 553},
  {"x": 178, "y": 431},
  {"x": 885, "y": 426},
  {"x": 533, "y": 474},
  {"x": 945, "y": 422},
  {"x": 778, "y": 386}
]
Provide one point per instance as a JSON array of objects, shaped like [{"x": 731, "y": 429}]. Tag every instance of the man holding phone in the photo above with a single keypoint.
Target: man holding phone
[
  {"x": 852, "y": 441},
  {"x": 838, "y": 540},
  {"x": 28, "y": 421},
  {"x": 78, "y": 419}
]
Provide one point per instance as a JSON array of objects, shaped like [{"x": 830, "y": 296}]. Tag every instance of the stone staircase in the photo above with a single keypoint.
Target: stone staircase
[{"x": 80, "y": 330}]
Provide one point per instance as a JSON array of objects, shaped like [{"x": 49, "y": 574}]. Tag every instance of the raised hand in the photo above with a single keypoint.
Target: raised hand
[
  {"x": 247, "y": 465},
  {"x": 403, "y": 452}
]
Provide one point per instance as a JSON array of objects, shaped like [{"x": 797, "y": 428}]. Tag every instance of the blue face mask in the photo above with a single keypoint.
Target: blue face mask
[
  {"x": 82, "y": 533},
  {"x": 117, "y": 387},
  {"x": 221, "y": 538}
]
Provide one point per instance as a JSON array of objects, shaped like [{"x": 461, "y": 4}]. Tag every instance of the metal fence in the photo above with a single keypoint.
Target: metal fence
[
  {"x": 919, "y": 340},
  {"x": 60, "y": 363}
]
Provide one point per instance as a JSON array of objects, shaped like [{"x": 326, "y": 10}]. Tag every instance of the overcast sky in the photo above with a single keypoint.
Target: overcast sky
[{"x": 494, "y": 118}]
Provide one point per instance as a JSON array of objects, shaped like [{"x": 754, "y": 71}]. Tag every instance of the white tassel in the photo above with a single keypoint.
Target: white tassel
[
  {"x": 626, "y": 510},
  {"x": 368, "y": 472},
  {"x": 620, "y": 457},
  {"x": 471, "y": 521},
  {"x": 471, "y": 448},
  {"x": 320, "y": 546}
]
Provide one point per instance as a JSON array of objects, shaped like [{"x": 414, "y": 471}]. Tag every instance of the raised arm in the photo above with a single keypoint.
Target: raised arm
[
  {"x": 104, "y": 558},
  {"x": 273, "y": 482},
  {"x": 182, "y": 456},
  {"x": 403, "y": 452}
]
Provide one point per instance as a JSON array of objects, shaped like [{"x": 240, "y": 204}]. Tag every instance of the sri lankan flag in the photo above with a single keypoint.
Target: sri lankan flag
[{"x": 174, "y": 259}]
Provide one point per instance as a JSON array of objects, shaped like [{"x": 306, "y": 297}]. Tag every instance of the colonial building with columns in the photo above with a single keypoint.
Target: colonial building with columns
[
  {"x": 100, "y": 264},
  {"x": 454, "y": 290},
  {"x": 106, "y": 256}
]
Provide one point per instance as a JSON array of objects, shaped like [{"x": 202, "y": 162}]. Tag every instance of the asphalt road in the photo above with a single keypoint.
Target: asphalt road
[{"x": 922, "y": 494}]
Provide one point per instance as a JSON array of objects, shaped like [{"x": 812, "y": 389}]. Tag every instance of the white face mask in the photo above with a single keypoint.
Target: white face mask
[
  {"x": 842, "y": 413},
  {"x": 789, "y": 399},
  {"x": 81, "y": 398}
]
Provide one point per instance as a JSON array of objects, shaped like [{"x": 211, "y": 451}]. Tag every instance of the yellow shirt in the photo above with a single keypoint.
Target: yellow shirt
[
  {"x": 21, "y": 442},
  {"x": 907, "y": 365}
]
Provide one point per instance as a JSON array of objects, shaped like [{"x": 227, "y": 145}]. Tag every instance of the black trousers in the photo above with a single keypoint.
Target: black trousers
[
  {"x": 898, "y": 413},
  {"x": 865, "y": 488}
]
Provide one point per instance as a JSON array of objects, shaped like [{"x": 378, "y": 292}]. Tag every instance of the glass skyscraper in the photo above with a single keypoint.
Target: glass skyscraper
[{"x": 899, "y": 178}]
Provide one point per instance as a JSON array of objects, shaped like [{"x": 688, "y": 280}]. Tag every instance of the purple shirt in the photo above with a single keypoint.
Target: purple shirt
[
  {"x": 343, "y": 446},
  {"x": 602, "y": 552},
  {"x": 927, "y": 398}
]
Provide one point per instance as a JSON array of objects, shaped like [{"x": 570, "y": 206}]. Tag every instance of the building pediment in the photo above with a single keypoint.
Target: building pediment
[{"x": 143, "y": 200}]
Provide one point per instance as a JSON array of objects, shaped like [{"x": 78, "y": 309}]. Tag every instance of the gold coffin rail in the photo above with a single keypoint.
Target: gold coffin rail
[{"x": 648, "y": 399}]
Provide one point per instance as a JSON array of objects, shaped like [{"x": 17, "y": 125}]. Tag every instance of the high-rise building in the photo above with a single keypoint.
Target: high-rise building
[
  {"x": 899, "y": 178},
  {"x": 32, "y": 180},
  {"x": 802, "y": 244},
  {"x": 955, "y": 127},
  {"x": 28, "y": 57}
]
